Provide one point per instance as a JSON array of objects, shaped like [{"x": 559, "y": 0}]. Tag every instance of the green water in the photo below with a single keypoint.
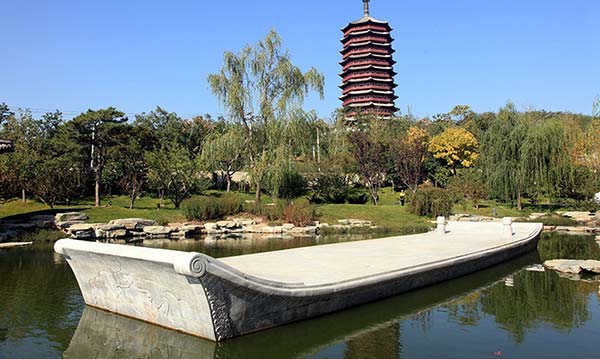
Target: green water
[{"x": 502, "y": 312}]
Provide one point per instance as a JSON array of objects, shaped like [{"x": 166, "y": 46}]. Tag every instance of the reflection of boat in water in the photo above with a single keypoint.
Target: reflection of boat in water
[
  {"x": 105, "y": 335},
  {"x": 223, "y": 298}
]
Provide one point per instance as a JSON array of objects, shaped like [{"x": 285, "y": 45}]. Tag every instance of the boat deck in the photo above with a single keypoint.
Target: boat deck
[{"x": 333, "y": 263}]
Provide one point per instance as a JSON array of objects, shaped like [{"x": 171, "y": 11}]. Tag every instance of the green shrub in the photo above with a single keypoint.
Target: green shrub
[
  {"x": 329, "y": 188},
  {"x": 207, "y": 208},
  {"x": 300, "y": 214},
  {"x": 357, "y": 196},
  {"x": 553, "y": 221},
  {"x": 431, "y": 202},
  {"x": 272, "y": 212},
  {"x": 333, "y": 188},
  {"x": 292, "y": 185}
]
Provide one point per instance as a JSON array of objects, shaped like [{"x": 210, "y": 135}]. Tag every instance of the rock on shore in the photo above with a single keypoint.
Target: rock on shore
[{"x": 573, "y": 266}]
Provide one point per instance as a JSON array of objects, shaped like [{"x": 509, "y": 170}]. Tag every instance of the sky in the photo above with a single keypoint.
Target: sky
[{"x": 135, "y": 55}]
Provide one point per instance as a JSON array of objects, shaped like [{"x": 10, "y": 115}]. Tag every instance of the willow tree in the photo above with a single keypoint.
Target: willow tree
[
  {"x": 224, "y": 152},
  {"x": 501, "y": 156},
  {"x": 545, "y": 158},
  {"x": 258, "y": 86}
]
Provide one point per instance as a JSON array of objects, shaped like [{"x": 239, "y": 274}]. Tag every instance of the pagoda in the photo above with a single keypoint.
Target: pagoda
[
  {"x": 6, "y": 146},
  {"x": 367, "y": 68}
]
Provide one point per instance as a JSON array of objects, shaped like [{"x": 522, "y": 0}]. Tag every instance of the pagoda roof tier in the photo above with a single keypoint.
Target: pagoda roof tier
[
  {"x": 348, "y": 41},
  {"x": 367, "y": 31},
  {"x": 367, "y": 62},
  {"x": 367, "y": 54},
  {"x": 368, "y": 66},
  {"x": 357, "y": 75},
  {"x": 383, "y": 50},
  {"x": 366, "y": 43},
  {"x": 364, "y": 92},
  {"x": 6, "y": 146},
  {"x": 374, "y": 104},
  {"x": 364, "y": 22},
  {"x": 368, "y": 86},
  {"x": 365, "y": 79}
]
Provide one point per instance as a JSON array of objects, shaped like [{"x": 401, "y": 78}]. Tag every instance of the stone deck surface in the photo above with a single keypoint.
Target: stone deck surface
[{"x": 338, "y": 262}]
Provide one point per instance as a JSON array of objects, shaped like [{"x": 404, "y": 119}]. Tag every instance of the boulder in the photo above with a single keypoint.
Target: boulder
[
  {"x": 572, "y": 266},
  {"x": 310, "y": 230},
  {"x": 65, "y": 225},
  {"x": 70, "y": 216},
  {"x": 272, "y": 229},
  {"x": 535, "y": 216},
  {"x": 110, "y": 230},
  {"x": 84, "y": 234},
  {"x": 159, "y": 231},
  {"x": 191, "y": 230},
  {"x": 245, "y": 222},
  {"x": 287, "y": 227},
  {"x": 117, "y": 233},
  {"x": 81, "y": 227},
  {"x": 581, "y": 217},
  {"x": 228, "y": 224},
  {"x": 133, "y": 224},
  {"x": 212, "y": 228},
  {"x": 359, "y": 223}
]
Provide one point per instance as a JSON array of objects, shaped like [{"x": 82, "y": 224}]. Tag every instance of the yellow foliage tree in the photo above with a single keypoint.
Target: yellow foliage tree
[{"x": 456, "y": 146}]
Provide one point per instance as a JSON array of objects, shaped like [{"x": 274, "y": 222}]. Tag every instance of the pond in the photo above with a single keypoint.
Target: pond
[{"x": 508, "y": 311}]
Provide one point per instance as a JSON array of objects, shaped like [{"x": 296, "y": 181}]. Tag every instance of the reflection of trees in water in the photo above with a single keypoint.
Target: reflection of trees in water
[
  {"x": 535, "y": 298},
  {"x": 467, "y": 311},
  {"x": 378, "y": 343},
  {"x": 565, "y": 246},
  {"x": 45, "y": 300},
  {"x": 249, "y": 243}
]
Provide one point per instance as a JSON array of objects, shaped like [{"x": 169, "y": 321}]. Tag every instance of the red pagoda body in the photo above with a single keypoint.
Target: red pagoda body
[{"x": 367, "y": 68}]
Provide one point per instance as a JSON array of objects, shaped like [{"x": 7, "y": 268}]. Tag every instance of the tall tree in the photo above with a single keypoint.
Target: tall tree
[
  {"x": 97, "y": 129},
  {"x": 545, "y": 158},
  {"x": 409, "y": 153},
  {"x": 456, "y": 146},
  {"x": 369, "y": 151},
  {"x": 224, "y": 152},
  {"x": 258, "y": 86},
  {"x": 127, "y": 160},
  {"x": 174, "y": 169},
  {"x": 501, "y": 156}
]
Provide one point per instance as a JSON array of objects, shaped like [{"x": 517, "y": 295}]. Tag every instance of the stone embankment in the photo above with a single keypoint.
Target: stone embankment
[
  {"x": 74, "y": 224},
  {"x": 573, "y": 266},
  {"x": 10, "y": 229},
  {"x": 587, "y": 222}
]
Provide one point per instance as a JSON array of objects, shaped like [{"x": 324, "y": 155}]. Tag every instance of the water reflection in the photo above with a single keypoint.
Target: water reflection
[
  {"x": 473, "y": 316},
  {"x": 369, "y": 331}
]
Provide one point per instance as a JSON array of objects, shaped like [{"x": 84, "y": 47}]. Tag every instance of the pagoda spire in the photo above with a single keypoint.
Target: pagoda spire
[{"x": 366, "y": 3}]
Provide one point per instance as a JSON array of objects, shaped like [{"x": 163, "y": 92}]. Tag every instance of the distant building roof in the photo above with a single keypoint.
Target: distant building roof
[{"x": 6, "y": 146}]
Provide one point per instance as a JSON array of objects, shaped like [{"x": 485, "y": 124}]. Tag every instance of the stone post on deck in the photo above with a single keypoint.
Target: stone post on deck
[
  {"x": 441, "y": 225},
  {"x": 507, "y": 227}
]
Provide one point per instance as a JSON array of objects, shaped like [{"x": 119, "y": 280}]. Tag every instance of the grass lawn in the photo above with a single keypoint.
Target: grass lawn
[
  {"x": 392, "y": 217},
  {"x": 387, "y": 214},
  {"x": 486, "y": 208}
]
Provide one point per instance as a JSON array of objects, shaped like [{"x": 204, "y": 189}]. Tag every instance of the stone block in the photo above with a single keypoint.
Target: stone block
[
  {"x": 70, "y": 216},
  {"x": 158, "y": 230},
  {"x": 287, "y": 227},
  {"x": 133, "y": 224}
]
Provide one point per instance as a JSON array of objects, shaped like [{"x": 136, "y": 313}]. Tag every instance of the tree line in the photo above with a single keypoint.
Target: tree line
[{"x": 286, "y": 152}]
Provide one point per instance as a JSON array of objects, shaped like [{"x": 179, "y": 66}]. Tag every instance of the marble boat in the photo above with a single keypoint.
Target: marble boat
[{"x": 219, "y": 299}]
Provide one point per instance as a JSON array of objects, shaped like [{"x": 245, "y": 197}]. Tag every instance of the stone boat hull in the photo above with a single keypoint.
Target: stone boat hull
[{"x": 221, "y": 299}]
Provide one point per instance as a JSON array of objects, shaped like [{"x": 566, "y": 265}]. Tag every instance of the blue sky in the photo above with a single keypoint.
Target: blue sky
[{"x": 134, "y": 55}]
